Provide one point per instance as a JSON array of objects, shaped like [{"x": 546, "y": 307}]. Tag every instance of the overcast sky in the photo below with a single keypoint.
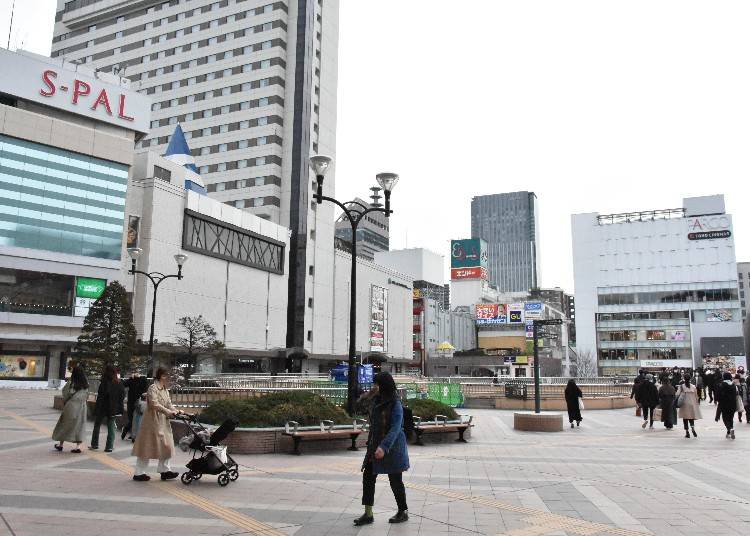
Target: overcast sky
[{"x": 597, "y": 106}]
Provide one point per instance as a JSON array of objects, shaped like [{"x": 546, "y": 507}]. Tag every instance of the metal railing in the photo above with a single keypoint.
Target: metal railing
[
  {"x": 547, "y": 391},
  {"x": 202, "y": 397}
]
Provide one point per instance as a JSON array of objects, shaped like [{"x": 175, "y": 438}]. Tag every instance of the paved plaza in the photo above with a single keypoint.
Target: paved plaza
[{"x": 609, "y": 477}]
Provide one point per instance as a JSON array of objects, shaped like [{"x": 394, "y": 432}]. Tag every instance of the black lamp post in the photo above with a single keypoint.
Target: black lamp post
[
  {"x": 355, "y": 213},
  {"x": 156, "y": 278}
]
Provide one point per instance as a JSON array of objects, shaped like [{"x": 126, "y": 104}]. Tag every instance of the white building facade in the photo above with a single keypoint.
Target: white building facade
[
  {"x": 66, "y": 155},
  {"x": 253, "y": 84},
  {"x": 657, "y": 289}
]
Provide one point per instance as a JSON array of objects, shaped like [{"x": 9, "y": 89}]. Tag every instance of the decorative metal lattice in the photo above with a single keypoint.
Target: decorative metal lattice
[{"x": 207, "y": 236}]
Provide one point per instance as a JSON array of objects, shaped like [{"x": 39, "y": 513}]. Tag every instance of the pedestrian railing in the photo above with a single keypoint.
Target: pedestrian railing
[
  {"x": 547, "y": 391},
  {"x": 202, "y": 397}
]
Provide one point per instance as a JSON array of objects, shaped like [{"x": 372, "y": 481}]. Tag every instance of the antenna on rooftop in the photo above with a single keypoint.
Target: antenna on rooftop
[{"x": 10, "y": 29}]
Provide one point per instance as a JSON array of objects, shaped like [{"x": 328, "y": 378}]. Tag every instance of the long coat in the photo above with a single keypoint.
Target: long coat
[
  {"x": 154, "y": 440},
  {"x": 109, "y": 399},
  {"x": 690, "y": 408},
  {"x": 71, "y": 426},
  {"x": 387, "y": 432},
  {"x": 572, "y": 394},
  {"x": 666, "y": 401}
]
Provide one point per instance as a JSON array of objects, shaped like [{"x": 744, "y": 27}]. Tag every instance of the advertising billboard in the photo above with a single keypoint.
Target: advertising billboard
[
  {"x": 533, "y": 310},
  {"x": 719, "y": 315},
  {"x": 476, "y": 272},
  {"x": 88, "y": 290},
  {"x": 491, "y": 313},
  {"x": 469, "y": 253},
  {"x": 515, "y": 313},
  {"x": 378, "y": 319}
]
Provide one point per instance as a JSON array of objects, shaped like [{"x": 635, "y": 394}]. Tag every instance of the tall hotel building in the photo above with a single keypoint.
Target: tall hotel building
[
  {"x": 658, "y": 288},
  {"x": 253, "y": 85},
  {"x": 509, "y": 223}
]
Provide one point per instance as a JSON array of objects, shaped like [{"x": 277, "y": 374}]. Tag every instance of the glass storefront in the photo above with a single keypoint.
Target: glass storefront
[
  {"x": 619, "y": 335},
  {"x": 23, "y": 367},
  {"x": 672, "y": 296},
  {"x": 57, "y": 200},
  {"x": 632, "y": 354}
]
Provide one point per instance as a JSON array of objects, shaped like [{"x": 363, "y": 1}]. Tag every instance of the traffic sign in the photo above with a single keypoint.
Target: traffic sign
[{"x": 550, "y": 322}]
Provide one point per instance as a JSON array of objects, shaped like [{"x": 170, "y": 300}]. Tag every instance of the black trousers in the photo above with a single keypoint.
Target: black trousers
[
  {"x": 397, "y": 486},
  {"x": 648, "y": 414},
  {"x": 686, "y": 422},
  {"x": 728, "y": 418},
  {"x": 129, "y": 426}
]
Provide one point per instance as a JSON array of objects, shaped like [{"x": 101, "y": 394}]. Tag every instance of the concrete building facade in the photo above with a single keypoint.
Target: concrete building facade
[{"x": 657, "y": 288}]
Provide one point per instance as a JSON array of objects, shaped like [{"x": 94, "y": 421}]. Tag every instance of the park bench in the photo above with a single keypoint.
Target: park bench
[
  {"x": 326, "y": 432},
  {"x": 441, "y": 425}
]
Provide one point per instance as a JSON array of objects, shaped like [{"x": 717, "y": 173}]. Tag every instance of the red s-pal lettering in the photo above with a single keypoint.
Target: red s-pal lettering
[{"x": 47, "y": 77}]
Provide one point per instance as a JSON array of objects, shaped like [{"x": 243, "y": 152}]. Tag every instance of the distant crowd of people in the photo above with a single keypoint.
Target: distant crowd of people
[{"x": 680, "y": 393}]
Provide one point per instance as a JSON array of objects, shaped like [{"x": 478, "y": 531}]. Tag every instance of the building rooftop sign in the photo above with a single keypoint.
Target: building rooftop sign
[{"x": 101, "y": 97}]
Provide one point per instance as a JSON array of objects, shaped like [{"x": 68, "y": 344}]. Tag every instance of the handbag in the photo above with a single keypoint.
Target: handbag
[
  {"x": 681, "y": 398},
  {"x": 580, "y": 403},
  {"x": 638, "y": 412},
  {"x": 657, "y": 414}
]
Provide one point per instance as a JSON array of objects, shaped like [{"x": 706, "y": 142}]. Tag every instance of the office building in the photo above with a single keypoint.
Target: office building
[
  {"x": 372, "y": 233},
  {"x": 66, "y": 153},
  {"x": 658, "y": 288},
  {"x": 509, "y": 223},
  {"x": 743, "y": 275},
  {"x": 253, "y": 85}
]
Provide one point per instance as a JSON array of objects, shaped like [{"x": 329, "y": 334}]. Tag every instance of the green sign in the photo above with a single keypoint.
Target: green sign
[{"x": 87, "y": 287}]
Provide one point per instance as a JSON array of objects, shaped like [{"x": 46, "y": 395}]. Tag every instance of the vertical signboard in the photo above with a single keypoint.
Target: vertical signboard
[
  {"x": 469, "y": 259},
  {"x": 533, "y": 310},
  {"x": 88, "y": 290},
  {"x": 515, "y": 313},
  {"x": 378, "y": 319}
]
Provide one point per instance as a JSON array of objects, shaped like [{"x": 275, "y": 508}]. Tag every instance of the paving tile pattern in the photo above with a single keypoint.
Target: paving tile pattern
[{"x": 609, "y": 477}]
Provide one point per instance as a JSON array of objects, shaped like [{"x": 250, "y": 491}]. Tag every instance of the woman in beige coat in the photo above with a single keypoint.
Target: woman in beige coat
[
  {"x": 154, "y": 440},
  {"x": 689, "y": 411}
]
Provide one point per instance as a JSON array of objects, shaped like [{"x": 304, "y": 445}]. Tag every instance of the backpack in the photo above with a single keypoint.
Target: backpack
[{"x": 408, "y": 421}]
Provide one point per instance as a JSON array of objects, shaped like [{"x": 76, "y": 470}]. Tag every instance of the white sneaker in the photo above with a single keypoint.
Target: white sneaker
[{"x": 644, "y": 425}]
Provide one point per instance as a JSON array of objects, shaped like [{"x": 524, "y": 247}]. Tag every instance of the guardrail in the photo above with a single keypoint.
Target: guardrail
[
  {"x": 547, "y": 391},
  {"x": 202, "y": 397}
]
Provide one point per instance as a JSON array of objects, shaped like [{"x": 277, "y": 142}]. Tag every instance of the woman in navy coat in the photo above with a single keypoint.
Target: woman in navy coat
[{"x": 386, "y": 449}]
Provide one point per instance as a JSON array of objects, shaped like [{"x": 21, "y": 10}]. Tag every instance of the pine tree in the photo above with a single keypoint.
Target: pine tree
[{"x": 108, "y": 334}]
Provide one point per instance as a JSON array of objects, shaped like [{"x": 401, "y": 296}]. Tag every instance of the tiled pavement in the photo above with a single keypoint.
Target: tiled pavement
[{"x": 608, "y": 477}]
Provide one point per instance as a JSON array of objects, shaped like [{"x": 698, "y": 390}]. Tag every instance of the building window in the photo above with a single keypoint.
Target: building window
[
  {"x": 162, "y": 174},
  {"x": 310, "y": 302},
  {"x": 309, "y": 335},
  {"x": 262, "y": 121},
  {"x": 240, "y": 203},
  {"x": 311, "y": 270}
]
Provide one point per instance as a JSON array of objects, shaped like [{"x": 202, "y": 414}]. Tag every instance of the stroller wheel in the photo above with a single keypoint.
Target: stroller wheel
[
  {"x": 234, "y": 475},
  {"x": 197, "y": 476},
  {"x": 186, "y": 478},
  {"x": 223, "y": 479}
]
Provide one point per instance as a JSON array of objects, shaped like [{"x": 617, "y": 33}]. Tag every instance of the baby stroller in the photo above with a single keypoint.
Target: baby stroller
[{"x": 213, "y": 458}]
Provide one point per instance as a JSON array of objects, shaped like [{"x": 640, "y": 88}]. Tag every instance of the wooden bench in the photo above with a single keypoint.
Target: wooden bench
[
  {"x": 441, "y": 425},
  {"x": 327, "y": 432}
]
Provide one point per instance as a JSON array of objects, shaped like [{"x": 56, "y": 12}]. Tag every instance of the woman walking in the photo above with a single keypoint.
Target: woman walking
[
  {"x": 726, "y": 396},
  {"x": 71, "y": 426},
  {"x": 649, "y": 397},
  {"x": 739, "y": 381},
  {"x": 573, "y": 399},
  {"x": 109, "y": 402},
  {"x": 689, "y": 406},
  {"x": 667, "y": 401},
  {"x": 154, "y": 438},
  {"x": 386, "y": 449}
]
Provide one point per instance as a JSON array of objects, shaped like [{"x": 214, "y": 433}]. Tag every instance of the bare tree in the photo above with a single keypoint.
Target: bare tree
[
  {"x": 586, "y": 366},
  {"x": 198, "y": 340}
]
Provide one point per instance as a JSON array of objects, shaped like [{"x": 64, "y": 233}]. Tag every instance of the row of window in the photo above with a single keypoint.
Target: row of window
[
  {"x": 268, "y": 201},
  {"x": 244, "y": 183},
  {"x": 680, "y": 296},
  {"x": 221, "y": 92},
  {"x": 220, "y": 129},
  {"x": 644, "y": 335},
  {"x": 651, "y": 315},
  {"x": 189, "y": 65},
  {"x": 158, "y": 22},
  {"x": 240, "y": 164},
  {"x": 236, "y": 145},
  {"x": 647, "y": 353}
]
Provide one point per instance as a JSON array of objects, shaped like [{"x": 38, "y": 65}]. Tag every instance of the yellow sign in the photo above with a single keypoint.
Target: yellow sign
[{"x": 522, "y": 360}]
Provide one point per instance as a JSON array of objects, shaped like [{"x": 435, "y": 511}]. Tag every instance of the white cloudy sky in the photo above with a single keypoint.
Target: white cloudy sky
[{"x": 598, "y": 105}]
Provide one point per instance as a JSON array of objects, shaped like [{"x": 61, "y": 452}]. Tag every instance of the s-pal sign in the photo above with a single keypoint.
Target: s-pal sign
[{"x": 50, "y": 83}]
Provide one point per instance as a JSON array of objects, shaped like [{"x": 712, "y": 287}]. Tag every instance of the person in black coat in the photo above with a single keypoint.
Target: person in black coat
[
  {"x": 636, "y": 383},
  {"x": 726, "y": 396},
  {"x": 109, "y": 402},
  {"x": 573, "y": 395},
  {"x": 136, "y": 386},
  {"x": 667, "y": 403},
  {"x": 649, "y": 397}
]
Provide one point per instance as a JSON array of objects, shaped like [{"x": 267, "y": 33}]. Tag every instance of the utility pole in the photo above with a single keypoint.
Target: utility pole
[{"x": 537, "y": 387}]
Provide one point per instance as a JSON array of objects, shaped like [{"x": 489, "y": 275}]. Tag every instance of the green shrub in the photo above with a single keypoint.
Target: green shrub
[
  {"x": 308, "y": 409},
  {"x": 427, "y": 409}
]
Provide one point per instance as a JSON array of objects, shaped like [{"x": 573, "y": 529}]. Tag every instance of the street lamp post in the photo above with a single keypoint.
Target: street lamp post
[
  {"x": 355, "y": 213},
  {"x": 156, "y": 279}
]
